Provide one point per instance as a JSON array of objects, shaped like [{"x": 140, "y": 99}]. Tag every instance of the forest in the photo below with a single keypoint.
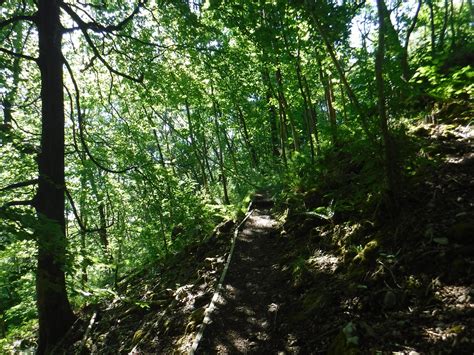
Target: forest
[{"x": 236, "y": 176}]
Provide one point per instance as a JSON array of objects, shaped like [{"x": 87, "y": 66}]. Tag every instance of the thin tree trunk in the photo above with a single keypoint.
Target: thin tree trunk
[
  {"x": 248, "y": 143},
  {"x": 220, "y": 152},
  {"x": 361, "y": 114},
  {"x": 343, "y": 99},
  {"x": 405, "y": 64},
  {"x": 451, "y": 24},
  {"x": 194, "y": 146},
  {"x": 331, "y": 110},
  {"x": 284, "y": 110},
  {"x": 54, "y": 311},
  {"x": 432, "y": 28},
  {"x": 230, "y": 149},
  {"x": 272, "y": 115},
  {"x": 313, "y": 116},
  {"x": 306, "y": 107},
  {"x": 391, "y": 166},
  {"x": 325, "y": 82},
  {"x": 442, "y": 35}
]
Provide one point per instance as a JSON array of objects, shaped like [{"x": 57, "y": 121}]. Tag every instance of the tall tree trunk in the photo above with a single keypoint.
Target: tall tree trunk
[
  {"x": 272, "y": 115},
  {"x": 248, "y": 143},
  {"x": 306, "y": 106},
  {"x": 343, "y": 101},
  {"x": 284, "y": 110},
  {"x": 220, "y": 151},
  {"x": 328, "y": 95},
  {"x": 391, "y": 166},
  {"x": 83, "y": 232},
  {"x": 442, "y": 35},
  {"x": 194, "y": 146},
  {"x": 405, "y": 64},
  {"x": 54, "y": 311},
  {"x": 361, "y": 114},
  {"x": 331, "y": 110},
  {"x": 432, "y": 28},
  {"x": 451, "y": 24},
  {"x": 313, "y": 116}
]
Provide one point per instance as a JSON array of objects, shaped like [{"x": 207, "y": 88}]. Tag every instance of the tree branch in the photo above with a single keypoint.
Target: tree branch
[
  {"x": 85, "y": 26},
  {"x": 15, "y": 19},
  {"x": 19, "y": 55},
  {"x": 20, "y": 184},
  {"x": 98, "y": 27},
  {"x": 81, "y": 127},
  {"x": 17, "y": 203},
  {"x": 78, "y": 219}
]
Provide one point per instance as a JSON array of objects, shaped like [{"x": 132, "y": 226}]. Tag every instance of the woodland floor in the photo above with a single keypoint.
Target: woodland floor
[
  {"x": 246, "y": 319},
  {"x": 296, "y": 285}
]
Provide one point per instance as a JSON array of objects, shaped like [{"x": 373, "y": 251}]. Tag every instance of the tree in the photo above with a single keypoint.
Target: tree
[
  {"x": 391, "y": 164},
  {"x": 54, "y": 312}
]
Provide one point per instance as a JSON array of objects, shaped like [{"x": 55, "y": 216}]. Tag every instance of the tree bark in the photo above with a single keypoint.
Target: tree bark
[
  {"x": 54, "y": 311},
  {"x": 194, "y": 146},
  {"x": 442, "y": 35},
  {"x": 432, "y": 28},
  {"x": 352, "y": 97},
  {"x": 313, "y": 117},
  {"x": 220, "y": 151},
  {"x": 272, "y": 115},
  {"x": 306, "y": 106},
  {"x": 406, "y": 72},
  {"x": 391, "y": 166},
  {"x": 246, "y": 135},
  {"x": 284, "y": 110}
]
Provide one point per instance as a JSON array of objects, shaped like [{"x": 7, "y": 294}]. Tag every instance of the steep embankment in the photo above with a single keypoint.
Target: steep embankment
[{"x": 305, "y": 282}]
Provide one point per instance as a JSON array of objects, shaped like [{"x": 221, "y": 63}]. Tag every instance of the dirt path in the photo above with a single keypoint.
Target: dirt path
[{"x": 246, "y": 318}]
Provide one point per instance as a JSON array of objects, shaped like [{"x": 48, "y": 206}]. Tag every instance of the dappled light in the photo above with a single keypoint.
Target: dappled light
[{"x": 236, "y": 177}]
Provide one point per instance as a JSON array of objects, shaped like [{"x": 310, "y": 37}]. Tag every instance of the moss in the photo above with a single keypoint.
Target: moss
[
  {"x": 138, "y": 336},
  {"x": 368, "y": 254}
]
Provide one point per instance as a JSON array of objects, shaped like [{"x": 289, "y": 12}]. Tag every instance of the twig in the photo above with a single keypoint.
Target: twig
[{"x": 391, "y": 273}]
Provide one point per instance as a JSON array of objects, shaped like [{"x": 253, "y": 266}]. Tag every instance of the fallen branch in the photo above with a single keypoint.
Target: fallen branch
[{"x": 88, "y": 330}]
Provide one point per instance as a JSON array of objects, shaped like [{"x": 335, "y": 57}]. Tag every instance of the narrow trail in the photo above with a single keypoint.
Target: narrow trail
[{"x": 246, "y": 318}]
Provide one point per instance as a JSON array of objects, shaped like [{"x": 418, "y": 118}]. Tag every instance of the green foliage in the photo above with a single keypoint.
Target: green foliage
[
  {"x": 232, "y": 98},
  {"x": 445, "y": 86}
]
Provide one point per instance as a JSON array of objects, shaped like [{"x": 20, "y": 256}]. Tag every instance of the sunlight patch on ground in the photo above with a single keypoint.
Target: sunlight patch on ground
[
  {"x": 324, "y": 262},
  {"x": 262, "y": 222}
]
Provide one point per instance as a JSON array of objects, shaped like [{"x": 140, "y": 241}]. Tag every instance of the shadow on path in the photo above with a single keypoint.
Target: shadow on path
[{"x": 246, "y": 316}]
